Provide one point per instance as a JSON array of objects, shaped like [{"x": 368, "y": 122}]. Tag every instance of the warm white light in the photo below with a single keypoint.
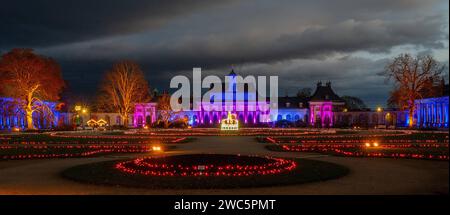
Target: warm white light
[
  {"x": 156, "y": 148},
  {"x": 230, "y": 123},
  {"x": 367, "y": 144}
]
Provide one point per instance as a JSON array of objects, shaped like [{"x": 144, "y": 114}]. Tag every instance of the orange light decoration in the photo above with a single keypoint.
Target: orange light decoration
[
  {"x": 157, "y": 148},
  {"x": 102, "y": 122}
]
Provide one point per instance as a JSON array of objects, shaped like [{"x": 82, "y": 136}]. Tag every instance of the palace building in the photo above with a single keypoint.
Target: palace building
[
  {"x": 432, "y": 112},
  {"x": 323, "y": 104},
  {"x": 12, "y": 116},
  {"x": 323, "y": 109}
]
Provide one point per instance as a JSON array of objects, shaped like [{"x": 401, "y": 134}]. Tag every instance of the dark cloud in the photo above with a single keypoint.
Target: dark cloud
[
  {"x": 301, "y": 41},
  {"x": 48, "y": 22}
]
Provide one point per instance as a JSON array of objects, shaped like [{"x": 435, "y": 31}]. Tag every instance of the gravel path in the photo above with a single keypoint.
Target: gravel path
[{"x": 368, "y": 175}]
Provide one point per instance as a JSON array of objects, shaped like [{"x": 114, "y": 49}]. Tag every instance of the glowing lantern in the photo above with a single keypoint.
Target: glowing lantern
[{"x": 156, "y": 148}]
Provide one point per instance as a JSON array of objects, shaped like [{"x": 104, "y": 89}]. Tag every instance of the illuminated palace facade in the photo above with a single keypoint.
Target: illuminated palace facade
[
  {"x": 12, "y": 116},
  {"x": 242, "y": 104},
  {"x": 432, "y": 112},
  {"x": 323, "y": 109}
]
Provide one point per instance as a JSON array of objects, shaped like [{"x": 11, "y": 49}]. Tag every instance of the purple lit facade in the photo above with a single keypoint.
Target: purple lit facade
[
  {"x": 12, "y": 116},
  {"x": 432, "y": 112},
  {"x": 144, "y": 113}
]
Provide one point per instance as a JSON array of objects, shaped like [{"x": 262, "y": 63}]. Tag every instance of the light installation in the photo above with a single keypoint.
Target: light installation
[
  {"x": 206, "y": 165},
  {"x": 230, "y": 123},
  {"x": 94, "y": 123}
]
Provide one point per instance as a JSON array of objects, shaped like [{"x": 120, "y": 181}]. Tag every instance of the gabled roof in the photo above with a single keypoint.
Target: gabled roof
[{"x": 325, "y": 93}]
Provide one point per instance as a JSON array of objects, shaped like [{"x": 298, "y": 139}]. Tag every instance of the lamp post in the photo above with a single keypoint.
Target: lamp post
[
  {"x": 82, "y": 112},
  {"x": 379, "y": 110}
]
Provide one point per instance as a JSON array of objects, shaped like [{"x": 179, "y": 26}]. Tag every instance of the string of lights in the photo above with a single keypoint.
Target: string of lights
[
  {"x": 65, "y": 151},
  {"x": 358, "y": 151}
]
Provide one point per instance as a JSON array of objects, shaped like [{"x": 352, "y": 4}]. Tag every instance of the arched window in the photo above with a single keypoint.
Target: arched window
[
  {"x": 148, "y": 120},
  {"x": 279, "y": 117},
  {"x": 118, "y": 120},
  {"x": 288, "y": 117},
  {"x": 206, "y": 119},
  {"x": 140, "y": 120},
  {"x": 194, "y": 119},
  {"x": 250, "y": 118},
  {"x": 296, "y": 117},
  {"x": 215, "y": 119},
  {"x": 241, "y": 117}
]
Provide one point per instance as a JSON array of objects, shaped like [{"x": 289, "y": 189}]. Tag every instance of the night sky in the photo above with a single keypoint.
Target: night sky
[{"x": 347, "y": 42}]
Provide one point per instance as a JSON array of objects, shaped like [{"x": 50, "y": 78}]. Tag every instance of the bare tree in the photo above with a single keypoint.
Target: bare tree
[
  {"x": 304, "y": 93},
  {"x": 353, "y": 103},
  {"x": 122, "y": 87},
  {"x": 31, "y": 79},
  {"x": 164, "y": 109},
  {"x": 414, "y": 78}
]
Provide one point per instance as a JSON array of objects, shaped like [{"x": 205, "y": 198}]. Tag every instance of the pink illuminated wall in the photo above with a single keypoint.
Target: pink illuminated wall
[
  {"x": 322, "y": 111},
  {"x": 144, "y": 112}
]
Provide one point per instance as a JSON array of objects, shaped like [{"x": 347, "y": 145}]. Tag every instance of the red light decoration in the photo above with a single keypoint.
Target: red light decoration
[
  {"x": 94, "y": 140},
  {"x": 363, "y": 146},
  {"x": 353, "y": 139},
  {"x": 355, "y": 151},
  {"x": 238, "y": 166},
  {"x": 90, "y": 150}
]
